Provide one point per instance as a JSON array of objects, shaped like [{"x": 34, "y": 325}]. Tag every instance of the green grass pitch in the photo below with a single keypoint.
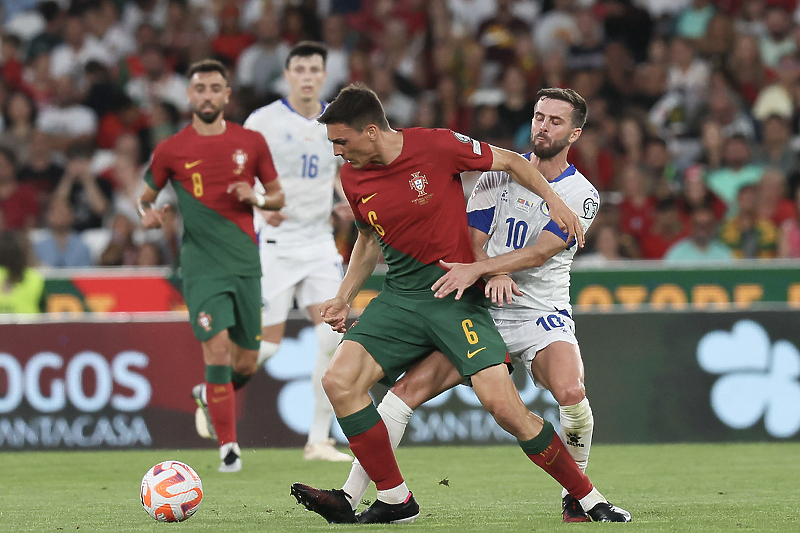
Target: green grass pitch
[{"x": 681, "y": 487}]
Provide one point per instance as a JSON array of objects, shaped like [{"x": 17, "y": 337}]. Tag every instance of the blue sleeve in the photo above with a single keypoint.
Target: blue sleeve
[
  {"x": 552, "y": 227},
  {"x": 481, "y": 219}
]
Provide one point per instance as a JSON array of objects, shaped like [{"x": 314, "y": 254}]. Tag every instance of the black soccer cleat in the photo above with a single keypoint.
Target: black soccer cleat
[
  {"x": 571, "y": 510},
  {"x": 332, "y": 505},
  {"x": 606, "y": 512},
  {"x": 388, "y": 513}
]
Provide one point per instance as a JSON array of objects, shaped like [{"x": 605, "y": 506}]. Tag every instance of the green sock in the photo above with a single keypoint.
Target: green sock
[
  {"x": 540, "y": 442},
  {"x": 360, "y": 421},
  {"x": 239, "y": 380},
  {"x": 219, "y": 374}
]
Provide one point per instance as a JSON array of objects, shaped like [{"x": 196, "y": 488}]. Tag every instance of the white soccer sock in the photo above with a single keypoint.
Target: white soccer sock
[
  {"x": 265, "y": 351},
  {"x": 591, "y": 499},
  {"x": 577, "y": 427},
  {"x": 395, "y": 414},
  {"x": 327, "y": 341},
  {"x": 398, "y": 494}
]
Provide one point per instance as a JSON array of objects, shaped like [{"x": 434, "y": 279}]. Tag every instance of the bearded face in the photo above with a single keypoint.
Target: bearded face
[{"x": 546, "y": 146}]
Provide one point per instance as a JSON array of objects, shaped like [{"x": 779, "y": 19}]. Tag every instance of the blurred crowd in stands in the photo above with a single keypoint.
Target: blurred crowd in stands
[{"x": 692, "y": 137}]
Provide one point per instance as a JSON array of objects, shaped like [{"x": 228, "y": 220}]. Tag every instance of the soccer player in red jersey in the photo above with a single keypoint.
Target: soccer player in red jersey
[
  {"x": 405, "y": 190},
  {"x": 212, "y": 165}
]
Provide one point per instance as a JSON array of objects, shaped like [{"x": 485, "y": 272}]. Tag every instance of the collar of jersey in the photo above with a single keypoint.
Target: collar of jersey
[
  {"x": 287, "y": 104},
  {"x": 569, "y": 171}
]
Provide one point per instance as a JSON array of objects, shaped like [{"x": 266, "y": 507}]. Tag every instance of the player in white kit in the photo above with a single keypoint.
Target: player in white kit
[
  {"x": 526, "y": 259},
  {"x": 299, "y": 259}
]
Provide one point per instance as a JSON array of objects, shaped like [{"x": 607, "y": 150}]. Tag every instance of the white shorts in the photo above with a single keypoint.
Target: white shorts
[
  {"x": 288, "y": 280},
  {"x": 525, "y": 338}
]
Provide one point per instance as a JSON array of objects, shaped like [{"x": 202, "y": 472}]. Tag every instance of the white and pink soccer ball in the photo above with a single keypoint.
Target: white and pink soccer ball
[{"x": 171, "y": 491}]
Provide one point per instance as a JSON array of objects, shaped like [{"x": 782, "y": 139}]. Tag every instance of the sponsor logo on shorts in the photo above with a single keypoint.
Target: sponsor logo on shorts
[
  {"x": 368, "y": 198},
  {"x": 204, "y": 319},
  {"x": 192, "y": 164},
  {"x": 471, "y": 353}
]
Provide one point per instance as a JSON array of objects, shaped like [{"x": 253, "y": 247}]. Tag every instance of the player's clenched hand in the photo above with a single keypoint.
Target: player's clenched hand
[
  {"x": 274, "y": 218},
  {"x": 501, "y": 289},
  {"x": 458, "y": 278},
  {"x": 244, "y": 192},
  {"x": 566, "y": 219},
  {"x": 334, "y": 312},
  {"x": 154, "y": 218}
]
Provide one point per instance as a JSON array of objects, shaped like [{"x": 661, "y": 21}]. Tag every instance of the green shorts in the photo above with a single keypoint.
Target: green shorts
[
  {"x": 232, "y": 303},
  {"x": 399, "y": 329}
]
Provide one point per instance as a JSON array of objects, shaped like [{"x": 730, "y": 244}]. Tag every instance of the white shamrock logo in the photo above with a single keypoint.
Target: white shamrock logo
[
  {"x": 294, "y": 363},
  {"x": 758, "y": 378}
]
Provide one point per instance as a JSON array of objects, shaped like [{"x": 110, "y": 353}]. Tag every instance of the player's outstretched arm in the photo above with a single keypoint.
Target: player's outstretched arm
[
  {"x": 521, "y": 171},
  {"x": 462, "y": 275},
  {"x": 151, "y": 217},
  {"x": 361, "y": 266}
]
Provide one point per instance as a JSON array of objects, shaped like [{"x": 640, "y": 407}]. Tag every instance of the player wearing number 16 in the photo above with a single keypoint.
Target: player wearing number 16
[
  {"x": 405, "y": 190},
  {"x": 212, "y": 165}
]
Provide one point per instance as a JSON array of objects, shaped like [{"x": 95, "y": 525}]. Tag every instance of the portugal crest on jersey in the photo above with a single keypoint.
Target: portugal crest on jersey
[
  {"x": 418, "y": 183},
  {"x": 240, "y": 158}
]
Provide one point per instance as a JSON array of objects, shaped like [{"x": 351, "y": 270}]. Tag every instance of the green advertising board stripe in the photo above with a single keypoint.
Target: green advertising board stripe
[
  {"x": 633, "y": 285},
  {"x": 644, "y": 284},
  {"x": 740, "y": 283}
]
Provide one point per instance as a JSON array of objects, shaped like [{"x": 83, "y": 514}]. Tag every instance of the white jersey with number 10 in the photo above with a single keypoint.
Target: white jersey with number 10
[{"x": 514, "y": 217}]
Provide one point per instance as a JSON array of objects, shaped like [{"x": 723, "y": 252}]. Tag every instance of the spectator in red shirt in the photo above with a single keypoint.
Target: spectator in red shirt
[
  {"x": 667, "y": 229},
  {"x": 231, "y": 40},
  {"x": 124, "y": 117},
  {"x": 637, "y": 206},
  {"x": 18, "y": 203},
  {"x": 592, "y": 159},
  {"x": 773, "y": 202},
  {"x": 11, "y": 68},
  {"x": 696, "y": 194}
]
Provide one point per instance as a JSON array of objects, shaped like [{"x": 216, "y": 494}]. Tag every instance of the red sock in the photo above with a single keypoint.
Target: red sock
[
  {"x": 374, "y": 451},
  {"x": 556, "y": 461},
  {"x": 222, "y": 408}
]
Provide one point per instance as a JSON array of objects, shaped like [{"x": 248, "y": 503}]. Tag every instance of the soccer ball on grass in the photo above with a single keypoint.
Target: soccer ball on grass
[{"x": 171, "y": 491}]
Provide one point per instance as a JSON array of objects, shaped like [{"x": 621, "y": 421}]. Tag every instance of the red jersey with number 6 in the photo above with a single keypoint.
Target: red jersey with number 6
[{"x": 416, "y": 204}]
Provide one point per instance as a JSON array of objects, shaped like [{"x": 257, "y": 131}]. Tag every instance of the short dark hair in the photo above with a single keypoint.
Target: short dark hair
[
  {"x": 9, "y": 155},
  {"x": 357, "y": 106},
  {"x": 207, "y": 65},
  {"x": 12, "y": 39},
  {"x": 579, "y": 109},
  {"x": 12, "y": 256},
  {"x": 49, "y": 10},
  {"x": 31, "y": 105},
  {"x": 308, "y": 49}
]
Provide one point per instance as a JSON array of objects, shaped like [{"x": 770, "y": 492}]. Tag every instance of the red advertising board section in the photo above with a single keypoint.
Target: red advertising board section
[{"x": 81, "y": 385}]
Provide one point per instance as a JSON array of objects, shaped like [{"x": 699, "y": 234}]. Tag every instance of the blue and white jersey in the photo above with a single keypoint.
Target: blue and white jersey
[
  {"x": 306, "y": 167},
  {"x": 514, "y": 217}
]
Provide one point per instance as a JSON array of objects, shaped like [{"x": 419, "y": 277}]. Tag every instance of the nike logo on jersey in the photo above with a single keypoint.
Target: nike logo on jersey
[
  {"x": 192, "y": 164},
  {"x": 368, "y": 198},
  {"x": 470, "y": 354},
  {"x": 552, "y": 459}
]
